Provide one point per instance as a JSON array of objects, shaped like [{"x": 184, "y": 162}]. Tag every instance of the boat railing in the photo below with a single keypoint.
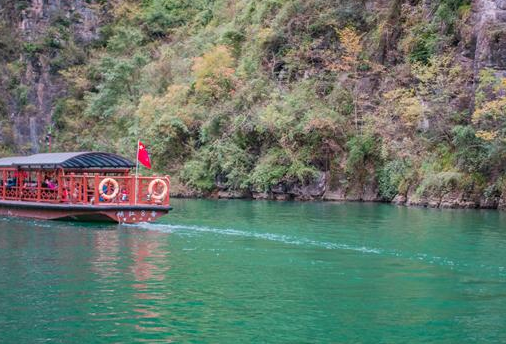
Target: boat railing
[
  {"x": 95, "y": 189},
  {"x": 107, "y": 190}
]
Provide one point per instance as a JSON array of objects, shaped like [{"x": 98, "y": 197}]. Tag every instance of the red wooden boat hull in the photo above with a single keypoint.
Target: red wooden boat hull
[{"x": 75, "y": 212}]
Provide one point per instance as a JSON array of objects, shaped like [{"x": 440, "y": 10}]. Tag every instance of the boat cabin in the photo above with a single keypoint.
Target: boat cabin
[{"x": 80, "y": 178}]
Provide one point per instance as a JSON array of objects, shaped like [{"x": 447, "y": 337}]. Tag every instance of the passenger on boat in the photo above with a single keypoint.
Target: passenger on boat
[
  {"x": 50, "y": 184},
  {"x": 11, "y": 182},
  {"x": 30, "y": 185},
  {"x": 124, "y": 195},
  {"x": 65, "y": 195},
  {"x": 76, "y": 193},
  {"x": 104, "y": 190}
]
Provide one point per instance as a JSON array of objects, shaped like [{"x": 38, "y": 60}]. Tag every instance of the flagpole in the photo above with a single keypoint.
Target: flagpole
[{"x": 137, "y": 172}]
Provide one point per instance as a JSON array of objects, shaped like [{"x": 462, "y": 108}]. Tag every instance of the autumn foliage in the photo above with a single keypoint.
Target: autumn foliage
[{"x": 214, "y": 73}]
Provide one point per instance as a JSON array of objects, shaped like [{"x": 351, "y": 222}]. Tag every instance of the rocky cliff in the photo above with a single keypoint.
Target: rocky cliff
[
  {"x": 489, "y": 23},
  {"x": 49, "y": 32},
  {"x": 368, "y": 100}
]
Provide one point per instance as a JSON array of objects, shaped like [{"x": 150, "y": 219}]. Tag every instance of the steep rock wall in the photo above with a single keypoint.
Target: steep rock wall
[
  {"x": 489, "y": 22},
  {"x": 39, "y": 79}
]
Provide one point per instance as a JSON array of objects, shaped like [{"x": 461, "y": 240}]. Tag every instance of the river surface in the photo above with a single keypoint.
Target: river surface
[{"x": 258, "y": 272}]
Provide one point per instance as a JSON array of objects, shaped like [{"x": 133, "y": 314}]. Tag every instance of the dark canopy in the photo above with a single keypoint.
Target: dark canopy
[{"x": 76, "y": 160}]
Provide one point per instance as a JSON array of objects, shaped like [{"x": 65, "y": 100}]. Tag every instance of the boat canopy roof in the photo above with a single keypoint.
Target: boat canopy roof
[{"x": 74, "y": 160}]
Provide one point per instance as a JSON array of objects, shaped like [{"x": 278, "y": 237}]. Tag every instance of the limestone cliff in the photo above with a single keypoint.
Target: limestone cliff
[
  {"x": 489, "y": 23},
  {"x": 49, "y": 31}
]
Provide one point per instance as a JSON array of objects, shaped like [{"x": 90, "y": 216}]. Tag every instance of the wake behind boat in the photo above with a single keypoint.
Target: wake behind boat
[{"x": 87, "y": 186}]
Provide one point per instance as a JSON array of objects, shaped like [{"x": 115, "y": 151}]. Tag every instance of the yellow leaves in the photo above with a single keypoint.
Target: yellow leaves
[
  {"x": 214, "y": 73},
  {"x": 493, "y": 108},
  {"x": 486, "y": 135},
  {"x": 465, "y": 12},
  {"x": 76, "y": 77},
  {"x": 490, "y": 115},
  {"x": 126, "y": 9},
  {"x": 455, "y": 71},
  {"x": 425, "y": 72},
  {"x": 352, "y": 46},
  {"x": 319, "y": 124},
  {"x": 265, "y": 35},
  {"x": 147, "y": 108},
  {"x": 176, "y": 94},
  {"x": 437, "y": 67},
  {"x": 151, "y": 108},
  {"x": 405, "y": 104}
]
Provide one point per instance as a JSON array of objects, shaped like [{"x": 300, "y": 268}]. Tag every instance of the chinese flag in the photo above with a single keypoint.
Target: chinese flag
[{"x": 143, "y": 155}]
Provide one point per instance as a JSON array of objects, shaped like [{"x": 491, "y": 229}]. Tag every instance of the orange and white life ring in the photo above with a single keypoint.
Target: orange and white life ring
[
  {"x": 115, "y": 191},
  {"x": 158, "y": 196}
]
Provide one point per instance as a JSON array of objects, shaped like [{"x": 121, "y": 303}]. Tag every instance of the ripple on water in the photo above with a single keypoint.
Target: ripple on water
[
  {"x": 301, "y": 241},
  {"x": 240, "y": 272}
]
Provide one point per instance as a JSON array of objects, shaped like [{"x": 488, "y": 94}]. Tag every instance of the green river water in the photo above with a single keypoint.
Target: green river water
[{"x": 258, "y": 272}]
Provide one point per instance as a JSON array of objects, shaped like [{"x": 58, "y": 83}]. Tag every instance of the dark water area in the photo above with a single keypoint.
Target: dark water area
[{"x": 246, "y": 271}]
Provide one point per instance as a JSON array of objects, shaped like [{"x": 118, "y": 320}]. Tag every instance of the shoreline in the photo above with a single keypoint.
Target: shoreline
[{"x": 444, "y": 202}]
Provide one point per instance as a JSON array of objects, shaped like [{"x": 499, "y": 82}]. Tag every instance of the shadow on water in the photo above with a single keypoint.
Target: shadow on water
[{"x": 26, "y": 223}]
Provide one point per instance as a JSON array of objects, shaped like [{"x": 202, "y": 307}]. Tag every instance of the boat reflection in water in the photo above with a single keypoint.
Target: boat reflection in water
[{"x": 85, "y": 186}]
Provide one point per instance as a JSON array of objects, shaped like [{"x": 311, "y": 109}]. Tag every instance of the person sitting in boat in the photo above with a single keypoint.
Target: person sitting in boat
[
  {"x": 44, "y": 181},
  {"x": 65, "y": 195},
  {"x": 124, "y": 195},
  {"x": 11, "y": 182},
  {"x": 50, "y": 184},
  {"x": 76, "y": 193},
  {"x": 30, "y": 185},
  {"x": 104, "y": 191}
]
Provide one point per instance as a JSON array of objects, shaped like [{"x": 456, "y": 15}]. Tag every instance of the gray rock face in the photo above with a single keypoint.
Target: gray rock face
[
  {"x": 489, "y": 202},
  {"x": 30, "y": 123},
  {"x": 38, "y": 17},
  {"x": 399, "y": 200},
  {"x": 501, "y": 204},
  {"x": 489, "y": 19},
  {"x": 335, "y": 195},
  {"x": 366, "y": 192},
  {"x": 310, "y": 191},
  {"x": 232, "y": 194}
]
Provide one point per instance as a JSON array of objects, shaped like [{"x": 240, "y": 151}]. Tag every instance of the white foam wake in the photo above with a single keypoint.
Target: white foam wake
[
  {"x": 300, "y": 241},
  {"x": 285, "y": 239}
]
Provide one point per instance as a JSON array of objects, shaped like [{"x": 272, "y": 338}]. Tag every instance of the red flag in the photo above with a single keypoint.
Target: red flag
[{"x": 143, "y": 155}]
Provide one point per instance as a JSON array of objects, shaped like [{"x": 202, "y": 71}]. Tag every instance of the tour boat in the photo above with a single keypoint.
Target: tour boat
[{"x": 86, "y": 186}]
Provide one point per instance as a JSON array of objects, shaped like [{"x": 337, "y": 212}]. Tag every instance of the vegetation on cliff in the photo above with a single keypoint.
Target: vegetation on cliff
[{"x": 252, "y": 96}]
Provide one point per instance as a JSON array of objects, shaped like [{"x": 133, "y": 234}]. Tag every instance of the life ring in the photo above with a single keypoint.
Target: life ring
[
  {"x": 157, "y": 196},
  {"x": 114, "y": 192}
]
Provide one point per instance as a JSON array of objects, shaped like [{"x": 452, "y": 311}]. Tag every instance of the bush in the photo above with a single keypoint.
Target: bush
[
  {"x": 21, "y": 95},
  {"x": 277, "y": 166},
  {"x": 224, "y": 161},
  {"x": 361, "y": 148},
  {"x": 125, "y": 40},
  {"x": 440, "y": 183},
  {"x": 161, "y": 15},
  {"x": 32, "y": 49},
  {"x": 391, "y": 177},
  {"x": 22, "y": 5},
  {"x": 424, "y": 47},
  {"x": 214, "y": 73},
  {"x": 470, "y": 151},
  {"x": 196, "y": 172}
]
